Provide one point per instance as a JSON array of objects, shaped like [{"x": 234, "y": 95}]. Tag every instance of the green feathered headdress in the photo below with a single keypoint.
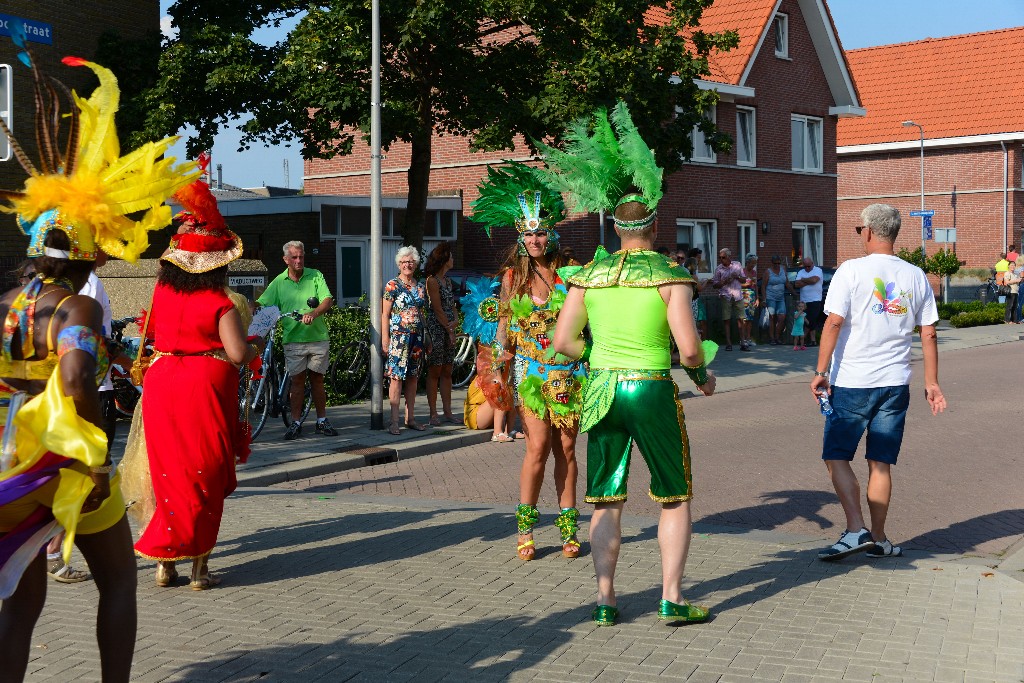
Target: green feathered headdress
[
  {"x": 606, "y": 163},
  {"x": 517, "y": 195}
]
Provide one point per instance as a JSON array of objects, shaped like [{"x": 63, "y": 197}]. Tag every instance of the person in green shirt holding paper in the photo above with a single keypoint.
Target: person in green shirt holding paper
[
  {"x": 306, "y": 341},
  {"x": 632, "y": 300}
]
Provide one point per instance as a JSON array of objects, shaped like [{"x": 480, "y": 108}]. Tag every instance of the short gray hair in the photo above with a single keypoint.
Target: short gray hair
[
  {"x": 294, "y": 244},
  {"x": 883, "y": 220},
  {"x": 725, "y": 252},
  {"x": 407, "y": 251}
]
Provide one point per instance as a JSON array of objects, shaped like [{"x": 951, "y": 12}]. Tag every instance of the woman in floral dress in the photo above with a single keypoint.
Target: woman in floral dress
[{"x": 404, "y": 311}]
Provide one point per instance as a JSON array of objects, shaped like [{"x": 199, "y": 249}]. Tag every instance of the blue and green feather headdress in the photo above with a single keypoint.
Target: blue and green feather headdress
[{"x": 515, "y": 194}]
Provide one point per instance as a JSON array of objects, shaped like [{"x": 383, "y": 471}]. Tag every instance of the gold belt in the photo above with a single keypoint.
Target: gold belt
[
  {"x": 219, "y": 354},
  {"x": 630, "y": 375}
]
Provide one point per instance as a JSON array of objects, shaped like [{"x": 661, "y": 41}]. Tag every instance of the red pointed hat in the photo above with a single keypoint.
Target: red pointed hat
[{"x": 204, "y": 241}]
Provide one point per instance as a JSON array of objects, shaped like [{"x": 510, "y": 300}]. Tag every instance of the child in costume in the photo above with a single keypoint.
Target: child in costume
[
  {"x": 547, "y": 392},
  {"x": 632, "y": 300},
  {"x": 55, "y": 472}
]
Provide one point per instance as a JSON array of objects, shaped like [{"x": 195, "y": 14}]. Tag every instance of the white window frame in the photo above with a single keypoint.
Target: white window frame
[
  {"x": 751, "y": 113},
  {"x": 703, "y": 234},
  {"x": 811, "y": 241},
  {"x": 747, "y": 239},
  {"x": 781, "y": 26},
  {"x": 6, "y": 108},
  {"x": 707, "y": 155},
  {"x": 808, "y": 165}
]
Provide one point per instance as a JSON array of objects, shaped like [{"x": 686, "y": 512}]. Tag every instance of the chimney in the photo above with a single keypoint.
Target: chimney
[{"x": 220, "y": 176}]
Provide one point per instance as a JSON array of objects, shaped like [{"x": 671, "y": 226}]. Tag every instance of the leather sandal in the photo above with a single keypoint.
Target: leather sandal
[
  {"x": 202, "y": 579},
  {"x": 165, "y": 578},
  {"x": 526, "y": 549}
]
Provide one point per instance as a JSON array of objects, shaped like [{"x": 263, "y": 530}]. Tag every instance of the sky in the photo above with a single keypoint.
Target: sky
[{"x": 860, "y": 23}]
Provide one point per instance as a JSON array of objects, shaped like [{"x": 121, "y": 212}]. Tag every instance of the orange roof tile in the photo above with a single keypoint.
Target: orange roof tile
[
  {"x": 747, "y": 17},
  {"x": 963, "y": 85}
]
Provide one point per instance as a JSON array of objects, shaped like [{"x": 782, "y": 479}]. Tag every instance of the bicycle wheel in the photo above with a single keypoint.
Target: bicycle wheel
[
  {"x": 259, "y": 400},
  {"x": 350, "y": 374},
  {"x": 464, "y": 367},
  {"x": 126, "y": 396},
  {"x": 286, "y": 411}
]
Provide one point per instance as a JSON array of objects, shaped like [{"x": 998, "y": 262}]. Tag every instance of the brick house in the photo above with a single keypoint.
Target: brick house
[
  {"x": 962, "y": 91},
  {"x": 788, "y": 80},
  {"x": 57, "y": 28}
]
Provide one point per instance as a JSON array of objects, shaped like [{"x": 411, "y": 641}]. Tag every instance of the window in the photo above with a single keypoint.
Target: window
[
  {"x": 440, "y": 224},
  {"x": 807, "y": 242},
  {"x": 6, "y": 105},
  {"x": 806, "y": 143},
  {"x": 701, "y": 149},
  {"x": 702, "y": 234},
  {"x": 781, "y": 24},
  {"x": 747, "y": 240},
  {"x": 329, "y": 220},
  {"x": 355, "y": 220},
  {"x": 746, "y": 136}
]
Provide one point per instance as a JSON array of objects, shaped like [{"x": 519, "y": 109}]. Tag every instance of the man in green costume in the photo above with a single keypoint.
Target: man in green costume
[
  {"x": 631, "y": 397},
  {"x": 632, "y": 300}
]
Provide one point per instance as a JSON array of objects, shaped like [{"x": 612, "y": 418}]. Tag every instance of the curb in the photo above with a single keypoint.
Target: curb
[{"x": 355, "y": 455}]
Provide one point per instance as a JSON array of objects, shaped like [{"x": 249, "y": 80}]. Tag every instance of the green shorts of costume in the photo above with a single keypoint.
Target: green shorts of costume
[{"x": 649, "y": 412}]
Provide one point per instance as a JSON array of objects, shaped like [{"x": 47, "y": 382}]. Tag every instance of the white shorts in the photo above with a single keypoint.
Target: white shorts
[{"x": 312, "y": 356}]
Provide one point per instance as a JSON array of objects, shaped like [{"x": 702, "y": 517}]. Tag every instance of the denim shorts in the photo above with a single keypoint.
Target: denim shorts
[
  {"x": 776, "y": 307},
  {"x": 882, "y": 411}
]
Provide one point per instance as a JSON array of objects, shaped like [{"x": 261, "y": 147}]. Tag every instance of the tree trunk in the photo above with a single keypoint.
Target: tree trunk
[{"x": 419, "y": 184}]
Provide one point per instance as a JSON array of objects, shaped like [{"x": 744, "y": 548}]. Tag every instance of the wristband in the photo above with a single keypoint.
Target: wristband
[
  {"x": 588, "y": 346},
  {"x": 699, "y": 374},
  {"x": 820, "y": 374},
  {"x": 102, "y": 469}
]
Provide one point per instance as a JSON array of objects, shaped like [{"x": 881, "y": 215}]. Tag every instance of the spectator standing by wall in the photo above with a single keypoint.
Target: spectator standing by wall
[
  {"x": 1012, "y": 280},
  {"x": 775, "y": 284},
  {"x": 727, "y": 280},
  {"x": 809, "y": 280}
]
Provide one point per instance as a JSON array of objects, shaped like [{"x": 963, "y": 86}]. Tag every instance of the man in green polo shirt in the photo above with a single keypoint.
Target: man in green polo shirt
[{"x": 306, "y": 341}]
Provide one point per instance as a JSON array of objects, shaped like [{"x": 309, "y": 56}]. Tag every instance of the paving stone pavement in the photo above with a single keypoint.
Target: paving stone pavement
[
  {"x": 347, "y": 588},
  {"x": 406, "y": 571}
]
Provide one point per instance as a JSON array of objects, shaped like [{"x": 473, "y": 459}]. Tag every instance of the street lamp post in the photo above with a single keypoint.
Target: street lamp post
[
  {"x": 376, "y": 266},
  {"x": 907, "y": 124}
]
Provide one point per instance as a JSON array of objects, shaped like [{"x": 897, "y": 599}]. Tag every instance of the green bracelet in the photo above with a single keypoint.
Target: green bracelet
[
  {"x": 588, "y": 346},
  {"x": 699, "y": 374}
]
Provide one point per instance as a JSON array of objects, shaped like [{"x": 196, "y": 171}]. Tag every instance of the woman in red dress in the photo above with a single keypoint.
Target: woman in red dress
[{"x": 190, "y": 403}]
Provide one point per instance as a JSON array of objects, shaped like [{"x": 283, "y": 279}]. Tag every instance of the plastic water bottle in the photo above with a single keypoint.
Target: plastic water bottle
[{"x": 825, "y": 404}]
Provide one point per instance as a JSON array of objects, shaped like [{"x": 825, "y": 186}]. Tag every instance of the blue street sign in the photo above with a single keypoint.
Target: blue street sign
[
  {"x": 923, "y": 212},
  {"x": 926, "y": 221},
  {"x": 928, "y": 232}
]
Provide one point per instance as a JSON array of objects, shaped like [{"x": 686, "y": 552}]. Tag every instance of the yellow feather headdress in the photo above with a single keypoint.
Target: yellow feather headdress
[{"x": 84, "y": 186}]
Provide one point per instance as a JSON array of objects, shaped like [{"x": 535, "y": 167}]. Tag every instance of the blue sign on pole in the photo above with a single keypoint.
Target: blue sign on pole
[
  {"x": 923, "y": 212},
  {"x": 35, "y": 31}
]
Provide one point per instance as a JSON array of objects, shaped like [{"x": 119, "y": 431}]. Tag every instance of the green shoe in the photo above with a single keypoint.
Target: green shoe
[
  {"x": 685, "y": 612},
  {"x": 605, "y": 615}
]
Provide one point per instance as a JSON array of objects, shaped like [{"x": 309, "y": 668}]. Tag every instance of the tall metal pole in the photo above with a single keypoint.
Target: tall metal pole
[
  {"x": 376, "y": 271},
  {"x": 924, "y": 249}
]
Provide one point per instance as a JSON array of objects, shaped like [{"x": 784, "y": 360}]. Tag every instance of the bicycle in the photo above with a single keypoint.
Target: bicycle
[
  {"x": 464, "y": 366},
  {"x": 268, "y": 394},
  {"x": 126, "y": 392},
  {"x": 350, "y": 370}
]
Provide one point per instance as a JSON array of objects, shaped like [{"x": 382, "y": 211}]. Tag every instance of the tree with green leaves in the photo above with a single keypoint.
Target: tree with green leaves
[{"x": 484, "y": 69}]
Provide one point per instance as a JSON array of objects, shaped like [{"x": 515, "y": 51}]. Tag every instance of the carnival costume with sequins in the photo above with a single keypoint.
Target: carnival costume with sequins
[
  {"x": 548, "y": 390},
  {"x": 630, "y": 395},
  {"x": 83, "y": 188}
]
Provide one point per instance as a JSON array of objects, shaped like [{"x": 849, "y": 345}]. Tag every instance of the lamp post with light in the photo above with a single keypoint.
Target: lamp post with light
[{"x": 907, "y": 124}]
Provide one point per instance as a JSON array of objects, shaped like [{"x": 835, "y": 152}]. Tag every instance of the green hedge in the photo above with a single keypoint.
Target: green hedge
[
  {"x": 947, "y": 311},
  {"x": 991, "y": 315}
]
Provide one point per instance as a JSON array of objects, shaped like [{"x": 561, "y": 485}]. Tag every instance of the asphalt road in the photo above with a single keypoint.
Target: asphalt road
[{"x": 756, "y": 458}]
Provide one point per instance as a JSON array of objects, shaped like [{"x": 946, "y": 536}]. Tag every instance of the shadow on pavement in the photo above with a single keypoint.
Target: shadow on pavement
[
  {"x": 967, "y": 535},
  {"x": 488, "y": 649},
  {"x": 378, "y": 538},
  {"x": 779, "y": 507}
]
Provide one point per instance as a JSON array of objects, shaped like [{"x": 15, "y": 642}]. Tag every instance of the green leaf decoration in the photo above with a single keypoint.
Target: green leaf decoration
[
  {"x": 531, "y": 395},
  {"x": 521, "y": 306},
  {"x": 710, "y": 350}
]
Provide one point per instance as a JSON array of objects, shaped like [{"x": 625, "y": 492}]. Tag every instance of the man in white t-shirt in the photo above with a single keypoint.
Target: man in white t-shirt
[
  {"x": 873, "y": 305},
  {"x": 810, "y": 281}
]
